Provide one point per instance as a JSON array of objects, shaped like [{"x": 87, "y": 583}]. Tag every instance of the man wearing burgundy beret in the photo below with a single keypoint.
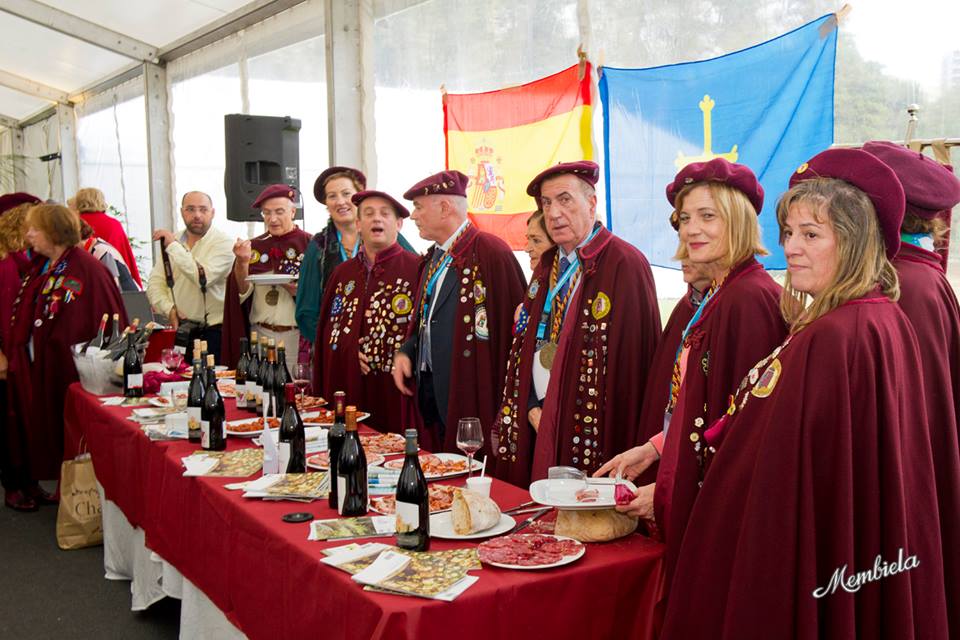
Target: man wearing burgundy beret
[
  {"x": 929, "y": 302},
  {"x": 583, "y": 340},
  {"x": 268, "y": 309},
  {"x": 365, "y": 315},
  {"x": 469, "y": 285}
]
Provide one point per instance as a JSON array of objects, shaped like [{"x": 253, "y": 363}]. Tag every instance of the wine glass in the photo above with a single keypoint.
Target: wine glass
[
  {"x": 469, "y": 439},
  {"x": 302, "y": 374},
  {"x": 171, "y": 359}
]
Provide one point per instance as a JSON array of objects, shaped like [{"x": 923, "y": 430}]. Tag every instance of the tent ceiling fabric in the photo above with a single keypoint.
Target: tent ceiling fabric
[{"x": 57, "y": 60}]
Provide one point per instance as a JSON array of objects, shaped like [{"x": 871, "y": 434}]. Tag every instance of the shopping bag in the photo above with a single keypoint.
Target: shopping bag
[{"x": 79, "y": 523}]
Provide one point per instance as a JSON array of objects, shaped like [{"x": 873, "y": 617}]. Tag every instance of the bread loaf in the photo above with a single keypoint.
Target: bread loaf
[
  {"x": 473, "y": 513},
  {"x": 594, "y": 525}
]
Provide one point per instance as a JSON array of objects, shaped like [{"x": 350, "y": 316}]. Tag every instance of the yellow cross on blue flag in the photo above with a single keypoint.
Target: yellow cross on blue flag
[{"x": 769, "y": 107}]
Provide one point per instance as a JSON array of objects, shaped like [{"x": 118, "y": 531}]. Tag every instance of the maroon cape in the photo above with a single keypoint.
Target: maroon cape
[
  {"x": 929, "y": 303},
  {"x": 737, "y": 328},
  {"x": 657, "y": 393},
  {"x": 271, "y": 254},
  {"x": 76, "y": 293},
  {"x": 108, "y": 228},
  {"x": 824, "y": 469},
  {"x": 368, "y": 310},
  {"x": 608, "y": 337},
  {"x": 11, "y": 267},
  {"x": 479, "y": 351}
]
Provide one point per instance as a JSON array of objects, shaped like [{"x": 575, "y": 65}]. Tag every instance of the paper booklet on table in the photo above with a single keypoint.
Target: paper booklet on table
[
  {"x": 289, "y": 486},
  {"x": 438, "y": 575},
  {"x": 239, "y": 463},
  {"x": 346, "y": 528}
]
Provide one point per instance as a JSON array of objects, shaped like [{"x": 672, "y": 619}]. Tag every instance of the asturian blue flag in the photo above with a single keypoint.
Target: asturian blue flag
[{"x": 769, "y": 107}]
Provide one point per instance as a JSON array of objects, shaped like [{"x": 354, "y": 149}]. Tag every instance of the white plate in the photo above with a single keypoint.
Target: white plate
[
  {"x": 242, "y": 434},
  {"x": 271, "y": 278},
  {"x": 441, "y": 526},
  {"x": 160, "y": 401},
  {"x": 564, "y": 560},
  {"x": 397, "y": 464},
  {"x": 540, "y": 491}
]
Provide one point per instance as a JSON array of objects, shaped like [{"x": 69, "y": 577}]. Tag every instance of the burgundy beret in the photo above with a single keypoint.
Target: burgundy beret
[
  {"x": 869, "y": 174},
  {"x": 360, "y": 196},
  {"x": 928, "y": 186},
  {"x": 586, "y": 170},
  {"x": 321, "y": 183},
  {"x": 450, "y": 183},
  {"x": 275, "y": 191},
  {"x": 736, "y": 176},
  {"x": 11, "y": 200}
]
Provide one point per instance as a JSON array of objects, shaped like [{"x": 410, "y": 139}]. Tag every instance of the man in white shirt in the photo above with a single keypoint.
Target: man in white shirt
[{"x": 199, "y": 249}]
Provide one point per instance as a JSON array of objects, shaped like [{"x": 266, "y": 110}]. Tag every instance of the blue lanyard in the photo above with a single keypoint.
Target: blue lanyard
[
  {"x": 695, "y": 319},
  {"x": 432, "y": 284},
  {"x": 916, "y": 238},
  {"x": 343, "y": 254},
  {"x": 572, "y": 268}
]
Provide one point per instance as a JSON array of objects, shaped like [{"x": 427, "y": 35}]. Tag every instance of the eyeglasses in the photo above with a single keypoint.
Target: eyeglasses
[
  {"x": 274, "y": 213},
  {"x": 193, "y": 209}
]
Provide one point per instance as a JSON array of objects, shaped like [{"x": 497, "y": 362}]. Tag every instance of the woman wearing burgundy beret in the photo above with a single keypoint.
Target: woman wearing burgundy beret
[
  {"x": 716, "y": 206},
  {"x": 817, "y": 517}
]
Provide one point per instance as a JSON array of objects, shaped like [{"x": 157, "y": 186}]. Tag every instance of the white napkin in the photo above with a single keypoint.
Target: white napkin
[
  {"x": 199, "y": 465},
  {"x": 112, "y": 401}
]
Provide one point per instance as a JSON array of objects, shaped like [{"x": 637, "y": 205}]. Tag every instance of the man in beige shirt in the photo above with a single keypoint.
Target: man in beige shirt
[{"x": 200, "y": 246}]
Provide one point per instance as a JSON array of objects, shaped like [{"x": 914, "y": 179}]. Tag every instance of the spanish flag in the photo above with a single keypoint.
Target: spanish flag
[{"x": 502, "y": 139}]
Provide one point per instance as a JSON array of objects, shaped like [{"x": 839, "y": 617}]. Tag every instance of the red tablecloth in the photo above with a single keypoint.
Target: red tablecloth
[{"x": 266, "y": 577}]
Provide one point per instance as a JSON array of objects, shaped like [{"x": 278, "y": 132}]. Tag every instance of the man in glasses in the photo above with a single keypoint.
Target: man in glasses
[
  {"x": 267, "y": 308},
  {"x": 199, "y": 248}
]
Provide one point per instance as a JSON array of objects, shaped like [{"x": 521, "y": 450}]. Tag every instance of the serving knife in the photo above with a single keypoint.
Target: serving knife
[{"x": 526, "y": 523}]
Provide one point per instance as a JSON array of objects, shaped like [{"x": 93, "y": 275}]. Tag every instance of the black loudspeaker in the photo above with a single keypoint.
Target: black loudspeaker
[{"x": 261, "y": 150}]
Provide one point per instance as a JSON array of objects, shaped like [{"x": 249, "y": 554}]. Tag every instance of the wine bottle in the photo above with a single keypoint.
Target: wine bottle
[
  {"x": 195, "y": 400},
  {"x": 262, "y": 373},
  {"x": 413, "y": 500},
  {"x": 253, "y": 373},
  {"x": 293, "y": 437},
  {"x": 115, "y": 332},
  {"x": 97, "y": 341},
  {"x": 266, "y": 384},
  {"x": 203, "y": 359},
  {"x": 352, "y": 471},
  {"x": 212, "y": 437},
  {"x": 335, "y": 436},
  {"x": 281, "y": 376},
  {"x": 132, "y": 370},
  {"x": 241, "y": 377}
]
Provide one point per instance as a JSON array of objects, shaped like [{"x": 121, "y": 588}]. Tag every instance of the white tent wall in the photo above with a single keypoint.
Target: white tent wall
[
  {"x": 8, "y": 164},
  {"x": 112, "y": 147},
  {"x": 42, "y": 179}
]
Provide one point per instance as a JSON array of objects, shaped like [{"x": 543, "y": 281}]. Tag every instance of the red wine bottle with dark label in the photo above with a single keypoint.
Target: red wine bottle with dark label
[
  {"x": 293, "y": 437},
  {"x": 212, "y": 436},
  {"x": 413, "y": 500},
  {"x": 352, "y": 471},
  {"x": 241, "y": 377},
  {"x": 195, "y": 400},
  {"x": 335, "y": 437},
  {"x": 132, "y": 370}
]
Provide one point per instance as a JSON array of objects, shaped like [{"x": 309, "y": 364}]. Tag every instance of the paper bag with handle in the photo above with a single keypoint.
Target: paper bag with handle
[{"x": 79, "y": 523}]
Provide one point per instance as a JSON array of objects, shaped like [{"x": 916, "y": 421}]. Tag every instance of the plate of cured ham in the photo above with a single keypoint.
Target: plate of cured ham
[
  {"x": 321, "y": 460},
  {"x": 530, "y": 551},
  {"x": 441, "y": 499},
  {"x": 249, "y": 428},
  {"x": 437, "y": 465},
  {"x": 325, "y": 417},
  {"x": 594, "y": 493}
]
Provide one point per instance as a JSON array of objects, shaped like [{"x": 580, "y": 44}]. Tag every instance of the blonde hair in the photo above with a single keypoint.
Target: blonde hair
[
  {"x": 90, "y": 199},
  {"x": 13, "y": 229},
  {"x": 59, "y": 224},
  {"x": 740, "y": 222},
  {"x": 862, "y": 262},
  {"x": 936, "y": 227}
]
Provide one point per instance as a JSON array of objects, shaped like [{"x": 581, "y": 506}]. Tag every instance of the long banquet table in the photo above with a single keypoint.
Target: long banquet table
[{"x": 265, "y": 576}]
